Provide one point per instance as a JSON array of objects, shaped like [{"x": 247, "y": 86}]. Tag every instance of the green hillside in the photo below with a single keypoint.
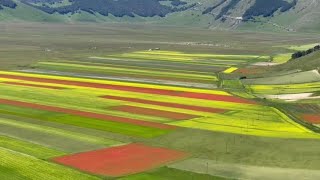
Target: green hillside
[{"x": 278, "y": 15}]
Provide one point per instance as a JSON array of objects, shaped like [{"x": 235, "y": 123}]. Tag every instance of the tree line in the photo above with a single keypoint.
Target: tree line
[
  {"x": 299, "y": 54},
  {"x": 8, "y": 3}
]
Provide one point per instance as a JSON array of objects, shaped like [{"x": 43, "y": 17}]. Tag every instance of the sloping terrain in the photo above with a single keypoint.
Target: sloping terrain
[
  {"x": 120, "y": 8},
  {"x": 275, "y": 15}
]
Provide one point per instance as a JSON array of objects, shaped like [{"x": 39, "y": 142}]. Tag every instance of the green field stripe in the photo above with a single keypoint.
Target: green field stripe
[
  {"x": 117, "y": 69},
  {"x": 58, "y": 132},
  {"x": 29, "y": 148},
  {"x": 109, "y": 126},
  {"x": 130, "y": 66},
  {"x": 171, "y": 173},
  {"x": 126, "y": 73},
  {"x": 110, "y": 57},
  {"x": 40, "y": 135},
  {"x": 14, "y": 165}
]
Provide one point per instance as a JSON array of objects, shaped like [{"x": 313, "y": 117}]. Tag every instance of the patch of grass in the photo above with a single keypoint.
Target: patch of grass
[
  {"x": 291, "y": 78},
  {"x": 302, "y": 47},
  {"x": 166, "y": 173},
  {"x": 232, "y": 84},
  {"x": 52, "y": 137},
  {"x": 285, "y": 88},
  {"x": 29, "y": 148},
  {"x": 281, "y": 58},
  {"x": 16, "y": 166}
]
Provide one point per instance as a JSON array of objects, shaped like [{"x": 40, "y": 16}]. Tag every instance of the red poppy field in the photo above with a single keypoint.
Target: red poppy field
[
  {"x": 121, "y": 160},
  {"x": 312, "y": 118}
]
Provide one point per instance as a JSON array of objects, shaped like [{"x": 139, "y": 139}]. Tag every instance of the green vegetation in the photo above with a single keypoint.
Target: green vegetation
[
  {"x": 300, "y": 54},
  {"x": 281, "y": 58},
  {"x": 166, "y": 173},
  {"x": 60, "y": 3},
  {"x": 52, "y": 137},
  {"x": 302, "y": 47},
  {"x": 285, "y": 89},
  {"x": 291, "y": 78},
  {"x": 19, "y": 166},
  {"x": 250, "y": 134},
  {"x": 102, "y": 125},
  {"x": 283, "y": 15},
  {"x": 28, "y": 148},
  {"x": 124, "y": 71},
  {"x": 216, "y": 59}
]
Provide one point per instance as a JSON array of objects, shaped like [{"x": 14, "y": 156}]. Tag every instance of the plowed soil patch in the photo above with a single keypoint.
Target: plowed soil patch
[
  {"x": 121, "y": 160},
  {"x": 154, "y": 112},
  {"x": 33, "y": 85},
  {"x": 312, "y": 118},
  {"x": 86, "y": 114},
  {"x": 166, "y": 104},
  {"x": 194, "y": 95}
]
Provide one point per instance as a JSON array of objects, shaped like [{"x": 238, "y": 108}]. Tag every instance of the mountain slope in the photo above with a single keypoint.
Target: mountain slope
[{"x": 275, "y": 15}]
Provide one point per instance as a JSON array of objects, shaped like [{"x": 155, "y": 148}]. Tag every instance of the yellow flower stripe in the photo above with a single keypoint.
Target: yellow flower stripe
[
  {"x": 242, "y": 119},
  {"x": 161, "y": 98},
  {"x": 243, "y": 129},
  {"x": 131, "y": 66},
  {"x": 230, "y": 70},
  {"x": 175, "y": 53},
  {"x": 216, "y": 92}
]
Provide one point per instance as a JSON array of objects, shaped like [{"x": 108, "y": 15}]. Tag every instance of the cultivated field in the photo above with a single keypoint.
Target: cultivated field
[{"x": 116, "y": 102}]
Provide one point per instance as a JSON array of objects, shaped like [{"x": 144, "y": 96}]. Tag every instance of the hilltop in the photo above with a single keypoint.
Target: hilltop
[{"x": 272, "y": 15}]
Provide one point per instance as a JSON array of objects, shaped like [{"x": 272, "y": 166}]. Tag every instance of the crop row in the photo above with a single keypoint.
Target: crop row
[
  {"x": 50, "y": 135},
  {"x": 5, "y": 75},
  {"x": 137, "y": 109},
  {"x": 16, "y": 165},
  {"x": 31, "y": 149},
  {"x": 177, "y": 76},
  {"x": 179, "y": 56}
]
